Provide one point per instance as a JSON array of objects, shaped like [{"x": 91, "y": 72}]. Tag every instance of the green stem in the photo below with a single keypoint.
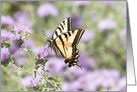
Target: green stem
[
  {"x": 29, "y": 55},
  {"x": 18, "y": 74},
  {"x": 21, "y": 82},
  {"x": 36, "y": 69},
  {"x": 19, "y": 67}
]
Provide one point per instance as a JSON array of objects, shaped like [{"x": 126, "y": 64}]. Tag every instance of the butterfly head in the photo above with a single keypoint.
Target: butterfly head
[{"x": 50, "y": 42}]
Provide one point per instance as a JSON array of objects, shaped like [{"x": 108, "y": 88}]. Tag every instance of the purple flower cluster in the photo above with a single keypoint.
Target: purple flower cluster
[
  {"x": 22, "y": 17},
  {"x": 29, "y": 81},
  {"x": 91, "y": 81},
  {"x": 110, "y": 3},
  {"x": 6, "y": 35},
  {"x": 107, "y": 24},
  {"x": 88, "y": 35},
  {"x": 26, "y": 81},
  {"x": 55, "y": 65},
  {"x": 76, "y": 20},
  {"x": 47, "y": 9},
  {"x": 85, "y": 61},
  {"x": 123, "y": 31},
  {"x": 81, "y": 3},
  {"x": 7, "y": 20},
  {"x": 4, "y": 54},
  {"x": 41, "y": 53},
  {"x": 21, "y": 32}
]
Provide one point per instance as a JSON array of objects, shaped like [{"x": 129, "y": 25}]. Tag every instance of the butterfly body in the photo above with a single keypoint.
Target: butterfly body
[{"x": 65, "y": 40}]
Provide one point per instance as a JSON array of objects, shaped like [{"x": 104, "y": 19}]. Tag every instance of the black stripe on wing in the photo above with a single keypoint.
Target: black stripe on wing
[
  {"x": 73, "y": 61},
  {"x": 63, "y": 27},
  {"x": 69, "y": 24},
  {"x": 78, "y": 36}
]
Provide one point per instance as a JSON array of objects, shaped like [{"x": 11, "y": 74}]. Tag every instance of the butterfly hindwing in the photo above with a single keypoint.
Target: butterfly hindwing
[
  {"x": 66, "y": 43},
  {"x": 63, "y": 27},
  {"x": 56, "y": 51}
]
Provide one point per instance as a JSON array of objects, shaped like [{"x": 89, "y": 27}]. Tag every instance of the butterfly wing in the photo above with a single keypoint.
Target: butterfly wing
[
  {"x": 66, "y": 44},
  {"x": 56, "y": 51},
  {"x": 63, "y": 27}
]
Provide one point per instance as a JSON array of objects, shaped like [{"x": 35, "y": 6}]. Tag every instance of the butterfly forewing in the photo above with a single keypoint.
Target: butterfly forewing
[{"x": 63, "y": 27}]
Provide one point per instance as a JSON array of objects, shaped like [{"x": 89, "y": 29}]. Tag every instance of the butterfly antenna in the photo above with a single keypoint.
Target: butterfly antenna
[{"x": 45, "y": 36}]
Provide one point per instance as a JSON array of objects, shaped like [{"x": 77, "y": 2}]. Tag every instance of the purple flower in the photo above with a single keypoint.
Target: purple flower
[
  {"x": 109, "y": 82},
  {"x": 6, "y": 35},
  {"x": 75, "y": 86},
  {"x": 30, "y": 81},
  {"x": 115, "y": 73},
  {"x": 65, "y": 86},
  {"x": 41, "y": 53},
  {"x": 21, "y": 32},
  {"x": 6, "y": 20},
  {"x": 124, "y": 11},
  {"x": 122, "y": 84},
  {"x": 81, "y": 3},
  {"x": 21, "y": 60},
  {"x": 76, "y": 20},
  {"x": 107, "y": 24},
  {"x": 110, "y": 3},
  {"x": 4, "y": 54},
  {"x": 33, "y": 82},
  {"x": 82, "y": 82},
  {"x": 73, "y": 71},
  {"x": 88, "y": 35},
  {"x": 86, "y": 62},
  {"x": 26, "y": 81},
  {"x": 123, "y": 31},
  {"x": 94, "y": 84},
  {"x": 47, "y": 9},
  {"x": 14, "y": 47},
  {"x": 29, "y": 43},
  {"x": 54, "y": 65},
  {"x": 22, "y": 17}
]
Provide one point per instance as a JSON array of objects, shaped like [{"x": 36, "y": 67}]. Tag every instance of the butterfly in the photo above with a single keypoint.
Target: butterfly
[{"x": 65, "y": 40}]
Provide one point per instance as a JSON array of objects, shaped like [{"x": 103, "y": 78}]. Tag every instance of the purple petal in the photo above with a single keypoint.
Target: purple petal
[
  {"x": 4, "y": 54},
  {"x": 122, "y": 84},
  {"x": 110, "y": 3},
  {"x": 6, "y": 35},
  {"x": 22, "y": 17},
  {"x": 55, "y": 65},
  {"x": 26, "y": 81},
  {"x": 47, "y": 9},
  {"x": 6, "y": 20},
  {"x": 81, "y": 3},
  {"x": 107, "y": 24},
  {"x": 87, "y": 35}
]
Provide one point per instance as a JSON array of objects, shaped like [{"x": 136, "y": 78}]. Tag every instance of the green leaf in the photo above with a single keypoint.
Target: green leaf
[
  {"x": 21, "y": 66},
  {"x": 60, "y": 77},
  {"x": 53, "y": 79},
  {"x": 37, "y": 66},
  {"x": 16, "y": 53},
  {"x": 34, "y": 74},
  {"x": 59, "y": 88},
  {"x": 29, "y": 88}
]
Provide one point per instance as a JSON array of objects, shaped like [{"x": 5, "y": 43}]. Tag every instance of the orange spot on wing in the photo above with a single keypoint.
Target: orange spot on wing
[{"x": 68, "y": 44}]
